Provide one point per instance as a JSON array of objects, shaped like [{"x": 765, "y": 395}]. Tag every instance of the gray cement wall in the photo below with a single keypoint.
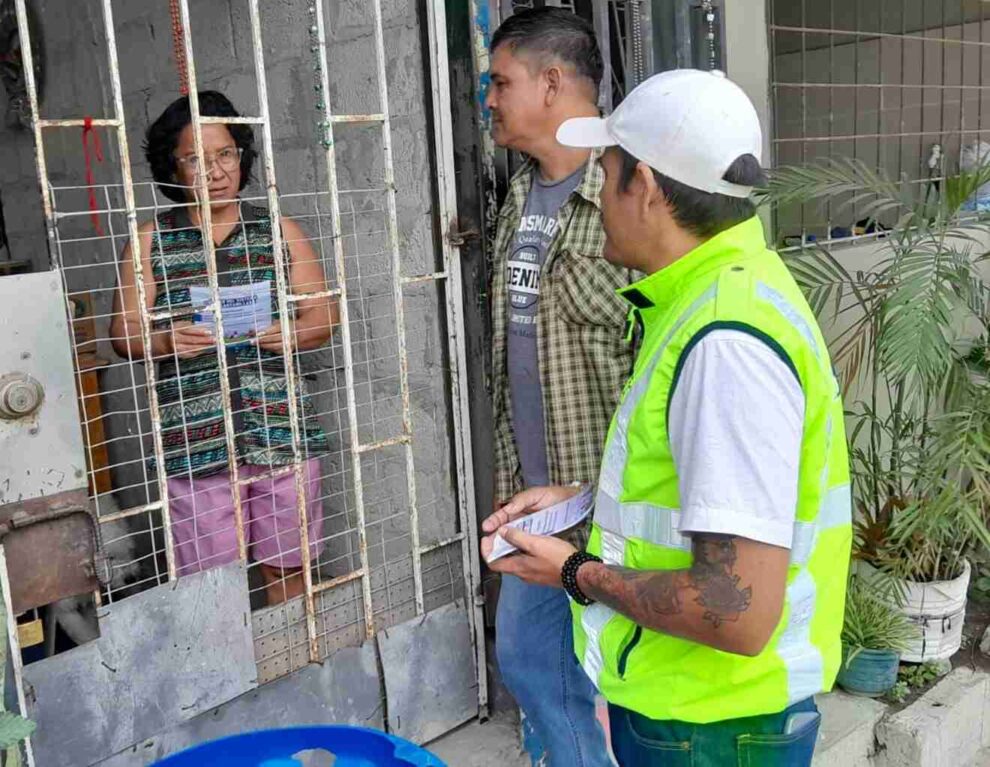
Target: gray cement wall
[{"x": 78, "y": 84}]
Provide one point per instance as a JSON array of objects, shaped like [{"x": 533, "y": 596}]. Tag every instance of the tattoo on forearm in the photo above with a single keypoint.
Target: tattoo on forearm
[
  {"x": 711, "y": 582},
  {"x": 718, "y": 586}
]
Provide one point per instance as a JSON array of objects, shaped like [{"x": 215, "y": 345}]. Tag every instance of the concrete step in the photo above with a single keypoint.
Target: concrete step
[
  {"x": 846, "y": 736},
  {"x": 948, "y": 726}
]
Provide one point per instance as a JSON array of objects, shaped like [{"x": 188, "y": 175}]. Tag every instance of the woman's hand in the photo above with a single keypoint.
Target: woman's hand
[
  {"x": 187, "y": 340},
  {"x": 270, "y": 339}
]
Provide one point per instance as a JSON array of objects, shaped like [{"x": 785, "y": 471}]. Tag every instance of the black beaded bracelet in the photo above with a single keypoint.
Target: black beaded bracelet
[{"x": 568, "y": 576}]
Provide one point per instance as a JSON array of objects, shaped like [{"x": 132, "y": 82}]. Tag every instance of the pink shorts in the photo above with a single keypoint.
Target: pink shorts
[{"x": 205, "y": 532}]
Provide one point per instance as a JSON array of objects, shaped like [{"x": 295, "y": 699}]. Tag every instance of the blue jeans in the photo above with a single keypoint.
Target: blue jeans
[
  {"x": 755, "y": 741},
  {"x": 535, "y": 650}
]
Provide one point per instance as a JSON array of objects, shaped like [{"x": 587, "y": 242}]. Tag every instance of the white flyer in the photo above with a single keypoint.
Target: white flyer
[
  {"x": 247, "y": 309},
  {"x": 550, "y": 521}
]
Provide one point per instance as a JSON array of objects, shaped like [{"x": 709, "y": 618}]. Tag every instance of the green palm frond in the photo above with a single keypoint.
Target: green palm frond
[
  {"x": 872, "y": 192},
  {"x": 910, "y": 335},
  {"x": 913, "y": 343}
]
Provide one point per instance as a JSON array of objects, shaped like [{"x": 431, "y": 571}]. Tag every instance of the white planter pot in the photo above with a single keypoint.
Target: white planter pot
[{"x": 937, "y": 609}]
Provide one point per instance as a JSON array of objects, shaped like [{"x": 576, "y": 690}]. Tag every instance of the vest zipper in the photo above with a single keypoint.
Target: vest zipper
[{"x": 624, "y": 656}]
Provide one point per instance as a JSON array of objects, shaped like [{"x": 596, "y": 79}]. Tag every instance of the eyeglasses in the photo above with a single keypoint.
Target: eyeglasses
[{"x": 227, "y": 159}]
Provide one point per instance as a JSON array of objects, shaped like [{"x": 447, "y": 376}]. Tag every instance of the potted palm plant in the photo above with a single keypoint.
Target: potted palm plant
[
  {"x": 906, "y": 340},
  {"x": 874, "y": 634}
]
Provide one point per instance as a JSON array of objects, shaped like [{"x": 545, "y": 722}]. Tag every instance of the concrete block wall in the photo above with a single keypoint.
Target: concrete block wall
[{"x": 78, "y": 85}]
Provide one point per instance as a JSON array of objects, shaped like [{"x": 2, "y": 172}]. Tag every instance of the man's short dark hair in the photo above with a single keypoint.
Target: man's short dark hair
[
  {"x": 163, "y": 137},
  {"x": 704, "y": 214},
  {"x": 551, "y": 33}
]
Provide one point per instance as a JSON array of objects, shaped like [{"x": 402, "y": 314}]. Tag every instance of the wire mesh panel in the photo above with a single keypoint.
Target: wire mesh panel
[
  {"x": 268, "y": 370},
  {"x": 896, "y": 84}
]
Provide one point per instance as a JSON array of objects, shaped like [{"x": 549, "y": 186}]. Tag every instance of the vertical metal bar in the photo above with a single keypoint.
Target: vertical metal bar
[
  {"x": 210, "y": 253},
  {"x": 831, "y": 93},
  {"x": 392, "y": 224},
  {"x": 599, "y": 10},
  {"x": 447, "y": 209},
  {"x": 857, "y": 26},
  {"x": 345, "y": 326},
  {"x": 924, "y": 95},
  {"x": 804, "y": 107},
  {"x": 137, "y": 257},
  {"x": 962, "y": 70},
  {"x": 647, "y": 55},
  {"x": 979, "y": 105},
  {"x": 900, "y": 140},
  {"x": 27, "y": 59},
  {"x": 13, "y": 641},
  {"x": 282, "y": 284},
  {"x": 881, "y": 143},
  {"x": 941, "y": 91}
]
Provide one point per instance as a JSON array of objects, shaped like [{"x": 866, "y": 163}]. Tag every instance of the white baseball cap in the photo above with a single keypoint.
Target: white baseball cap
[{"x": 687, "y": 124}]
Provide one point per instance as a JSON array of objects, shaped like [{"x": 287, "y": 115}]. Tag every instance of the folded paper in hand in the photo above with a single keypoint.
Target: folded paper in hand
[
  {"x": 246, "y": 309},
  {"x": 550, "y": 521}
]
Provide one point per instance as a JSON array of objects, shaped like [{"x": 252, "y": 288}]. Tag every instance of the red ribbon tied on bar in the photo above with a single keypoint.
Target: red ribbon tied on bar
[{"x": 88, "y": 132}]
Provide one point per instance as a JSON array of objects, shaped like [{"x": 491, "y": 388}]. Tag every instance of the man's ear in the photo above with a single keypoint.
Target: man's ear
[
  {"x": 553, "y": 78},
  {"x": 646, "y": 182}
]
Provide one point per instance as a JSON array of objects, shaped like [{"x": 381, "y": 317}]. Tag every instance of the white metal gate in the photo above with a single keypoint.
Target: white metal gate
[{"x": 382, "y": 561}]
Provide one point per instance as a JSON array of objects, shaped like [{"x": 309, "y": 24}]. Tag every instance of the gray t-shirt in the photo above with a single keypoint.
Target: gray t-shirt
[{"x": 537, "y": 229}]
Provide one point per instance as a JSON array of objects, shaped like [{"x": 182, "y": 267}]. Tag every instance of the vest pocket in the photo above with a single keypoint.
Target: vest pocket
[
  {"x": 785, "y": 750},
  {"x": 627, "y": 650}
]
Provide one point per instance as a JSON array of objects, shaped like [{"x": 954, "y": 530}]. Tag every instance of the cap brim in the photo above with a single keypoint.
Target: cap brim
[{"x": 585, "y": 132}]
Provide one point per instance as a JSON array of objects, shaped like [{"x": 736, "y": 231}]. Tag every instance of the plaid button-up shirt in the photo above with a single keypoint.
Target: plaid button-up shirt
[{"x": 584, "y": 358}]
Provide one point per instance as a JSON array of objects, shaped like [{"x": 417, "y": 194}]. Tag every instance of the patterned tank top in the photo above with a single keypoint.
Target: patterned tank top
[{"x": 189, "y": 398}]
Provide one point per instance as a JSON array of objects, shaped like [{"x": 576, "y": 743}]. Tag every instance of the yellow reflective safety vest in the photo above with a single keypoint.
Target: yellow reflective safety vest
[{"x": 731, "y": 281}]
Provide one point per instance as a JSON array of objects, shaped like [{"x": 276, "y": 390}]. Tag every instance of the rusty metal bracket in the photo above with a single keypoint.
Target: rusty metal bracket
[
  {"x": 54, "y": 549},
  {"x": 459, "y": 239}
]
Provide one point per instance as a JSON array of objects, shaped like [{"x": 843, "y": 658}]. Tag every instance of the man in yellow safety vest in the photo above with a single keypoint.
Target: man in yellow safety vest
[{"x": 708, "y": 605}]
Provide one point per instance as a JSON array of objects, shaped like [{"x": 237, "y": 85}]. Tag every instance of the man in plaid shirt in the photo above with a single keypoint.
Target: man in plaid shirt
[{"x": 560, "y": 351}]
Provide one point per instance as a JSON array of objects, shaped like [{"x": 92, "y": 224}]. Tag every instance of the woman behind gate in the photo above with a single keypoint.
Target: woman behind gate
[{"x": 196, "y": 459}]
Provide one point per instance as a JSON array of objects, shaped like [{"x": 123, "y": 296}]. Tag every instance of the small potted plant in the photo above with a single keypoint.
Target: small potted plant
[{"x": 874, "y": 635}]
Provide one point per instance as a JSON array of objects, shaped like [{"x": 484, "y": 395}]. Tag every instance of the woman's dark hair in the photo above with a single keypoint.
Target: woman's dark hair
[
  {"x": 553, "y": 33},
  {"x": 704, "y": 214},
  {"x": 163, "y": 137}
]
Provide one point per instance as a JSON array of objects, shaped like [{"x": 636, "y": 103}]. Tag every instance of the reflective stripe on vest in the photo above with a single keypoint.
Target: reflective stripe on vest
[{"x": 660, "y": 525}]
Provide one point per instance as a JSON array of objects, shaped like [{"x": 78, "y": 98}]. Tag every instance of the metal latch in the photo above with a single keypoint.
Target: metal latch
[{"x": 53, "y": 548}]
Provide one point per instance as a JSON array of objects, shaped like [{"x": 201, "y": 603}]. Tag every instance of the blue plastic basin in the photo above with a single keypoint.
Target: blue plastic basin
[{"x": 352, "y": 747}]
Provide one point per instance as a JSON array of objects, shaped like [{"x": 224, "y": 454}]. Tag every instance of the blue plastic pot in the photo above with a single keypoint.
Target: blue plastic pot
[
  {"x": 870, "y": 672},
  {"x": 352, "y": 747}
]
